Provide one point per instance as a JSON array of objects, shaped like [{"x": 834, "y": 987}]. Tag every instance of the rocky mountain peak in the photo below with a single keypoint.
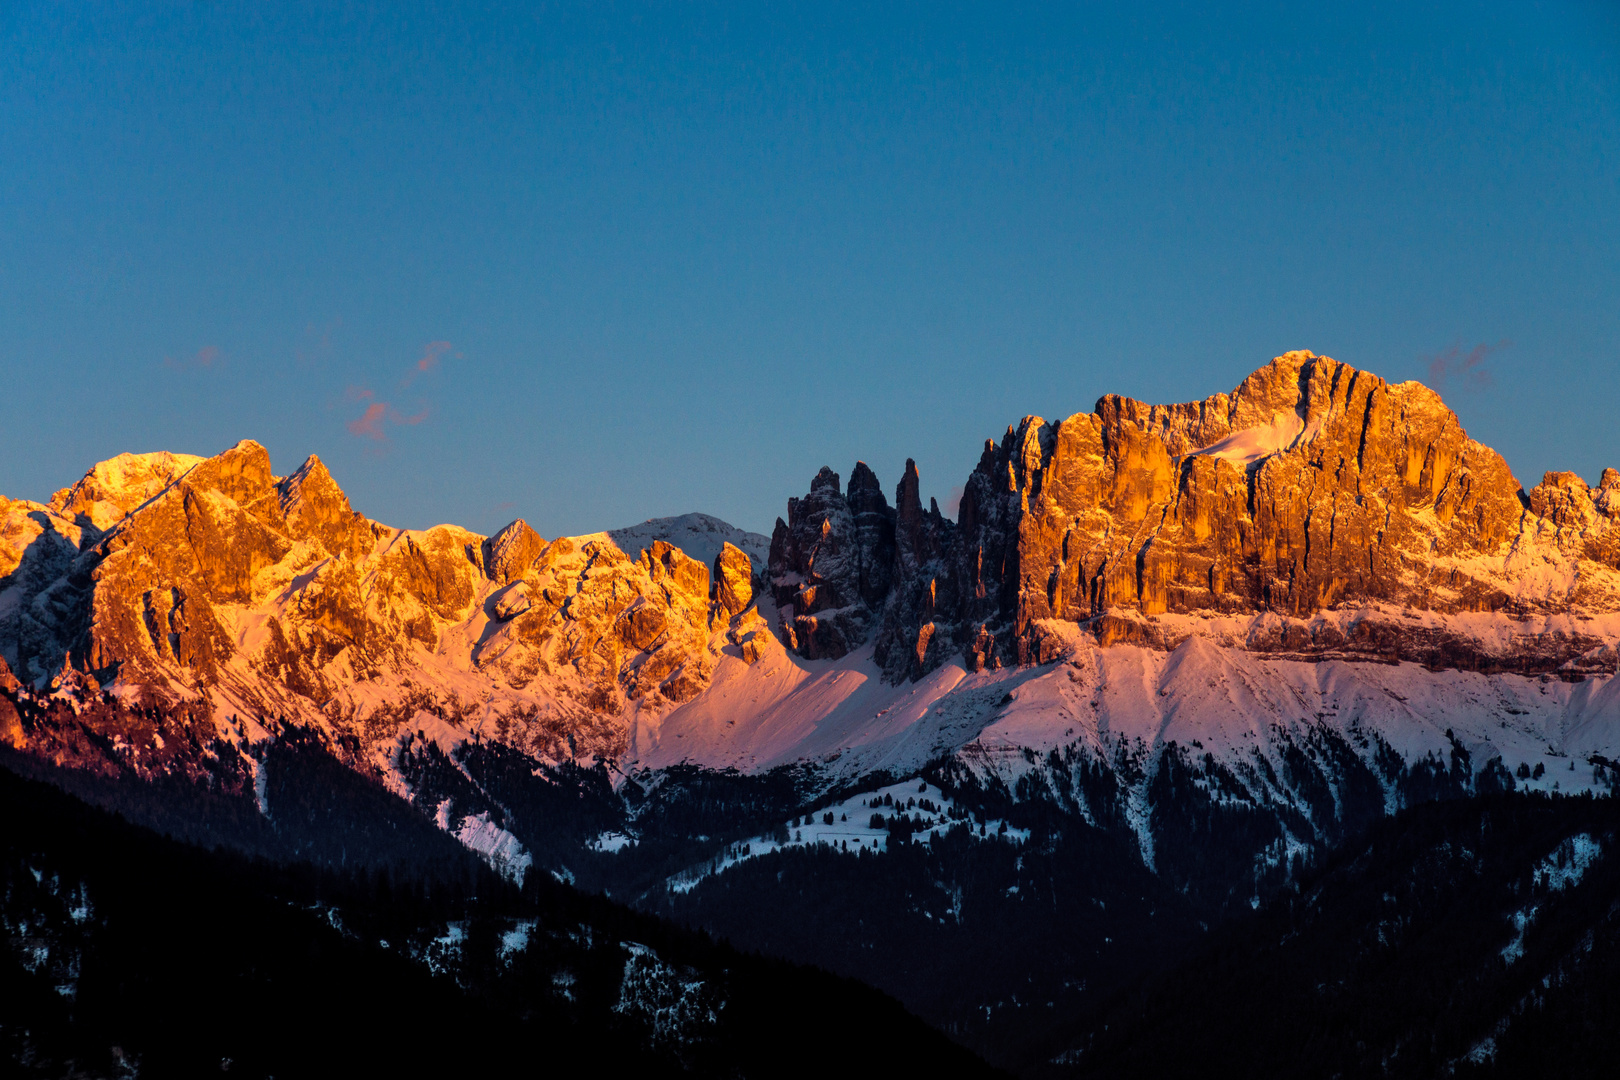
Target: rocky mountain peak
[
  {"x": 825, "y": 484},
  {"x": 1315, "y": 511},
  {"x": 1183, "y": 562},
  {"x": 313, "y": 506},
  {"x": 511, "y": 551},
  {"x": 1310, "y": 485},
  {"x": 115, "y": 487},
  {"x": 831, "y": 563}
]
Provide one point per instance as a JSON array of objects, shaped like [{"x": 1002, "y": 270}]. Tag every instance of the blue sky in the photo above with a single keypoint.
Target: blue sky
[{"x": 592, "y": 264}]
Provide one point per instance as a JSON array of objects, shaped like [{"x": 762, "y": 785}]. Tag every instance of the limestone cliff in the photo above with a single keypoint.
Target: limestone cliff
[{"x": 1312, "y": 488}]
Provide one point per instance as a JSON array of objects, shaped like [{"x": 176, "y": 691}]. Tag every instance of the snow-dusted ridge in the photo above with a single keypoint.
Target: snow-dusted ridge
[
  {"x": 701, "y": 536},
  {"x": 1245, "y": 714},
  {"x": 848, "y": 826}
]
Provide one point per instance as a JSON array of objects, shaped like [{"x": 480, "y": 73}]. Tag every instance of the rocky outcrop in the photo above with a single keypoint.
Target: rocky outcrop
[
  {"x": 831, "y": 563},
  {"x": 1580, "y": 517},
  {"x": 733, "y": 580},
  {"x": 621, "y": 629},
  {"x": 511, "y": 551},
  {"x": 909, "y": 643},
  {"x": 313, "y": 506}
]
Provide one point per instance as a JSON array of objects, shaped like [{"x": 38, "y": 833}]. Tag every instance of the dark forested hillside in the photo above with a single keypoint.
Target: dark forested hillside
[
  {"x": 1469, "y": 937},
  {"x": 127, "y": 953},
  {"x": 989, "y": 938}
]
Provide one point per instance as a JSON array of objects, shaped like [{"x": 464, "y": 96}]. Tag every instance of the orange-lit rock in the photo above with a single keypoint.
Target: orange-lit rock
[
  {"x": 178, "y": 579},
  {"x": 733, "y": 580},
  {"x": 1310, "y": 485}
]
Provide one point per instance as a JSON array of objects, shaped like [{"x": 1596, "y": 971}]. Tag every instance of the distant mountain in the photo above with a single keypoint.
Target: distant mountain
[
  {"x": 700, "y": 536},
  {"x": 1214, "y": 641}
]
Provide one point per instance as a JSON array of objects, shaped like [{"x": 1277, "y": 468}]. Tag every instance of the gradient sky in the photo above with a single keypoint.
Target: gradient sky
[{"x": 589, "y": 265}]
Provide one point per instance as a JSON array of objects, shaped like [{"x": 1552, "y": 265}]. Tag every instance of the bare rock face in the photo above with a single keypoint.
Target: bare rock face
[
  {"x": 314, "y": 507},
  {"x": 510, "y": 552},
  {"x": 1311, "y": 485},
  {"x": 831, "y": 563},
  {"x": 733, "y": 580},
  {"x": 908, "y": 644},
  {"x": 873, "y": 533}
]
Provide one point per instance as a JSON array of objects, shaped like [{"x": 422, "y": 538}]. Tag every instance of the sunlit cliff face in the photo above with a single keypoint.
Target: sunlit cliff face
[{"x": 1310, "y": 486}]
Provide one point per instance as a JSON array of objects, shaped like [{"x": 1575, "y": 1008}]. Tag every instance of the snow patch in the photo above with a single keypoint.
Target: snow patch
[
  {"x": 516, "y": 940},
  {"x": 498, "y": 847},
  {"x": 1252, "y": 444},
  {"x": 1560, "y": 870},
  {"x": 1567, "y": 865}
]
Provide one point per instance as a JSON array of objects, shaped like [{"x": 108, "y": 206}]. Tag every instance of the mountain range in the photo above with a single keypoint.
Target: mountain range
[{"x": 1166, "y": 660}]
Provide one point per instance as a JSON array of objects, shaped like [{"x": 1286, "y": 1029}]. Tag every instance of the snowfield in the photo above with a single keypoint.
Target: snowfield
[{"x": 1219, "y": 700}]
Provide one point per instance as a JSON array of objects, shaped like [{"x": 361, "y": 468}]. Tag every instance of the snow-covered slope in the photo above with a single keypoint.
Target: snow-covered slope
[
  {"x": 1134, "y": 711},
  {"x": 841, "y": 712},
  {"x": 860, "y": 823}
]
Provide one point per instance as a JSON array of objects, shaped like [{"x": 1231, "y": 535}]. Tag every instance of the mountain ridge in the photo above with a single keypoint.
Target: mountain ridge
[{"x": 1123, "y": 587}]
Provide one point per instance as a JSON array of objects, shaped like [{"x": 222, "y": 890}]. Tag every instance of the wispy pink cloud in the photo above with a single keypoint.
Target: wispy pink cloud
[
  {"x": 1468, "y": 366},
  {"x": 374, "y": 422},
  {"x": 370, "y": 423}
]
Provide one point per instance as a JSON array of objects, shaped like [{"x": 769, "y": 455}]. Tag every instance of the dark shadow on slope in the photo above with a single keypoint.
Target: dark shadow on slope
[{"x": 1430, "y": 947}]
